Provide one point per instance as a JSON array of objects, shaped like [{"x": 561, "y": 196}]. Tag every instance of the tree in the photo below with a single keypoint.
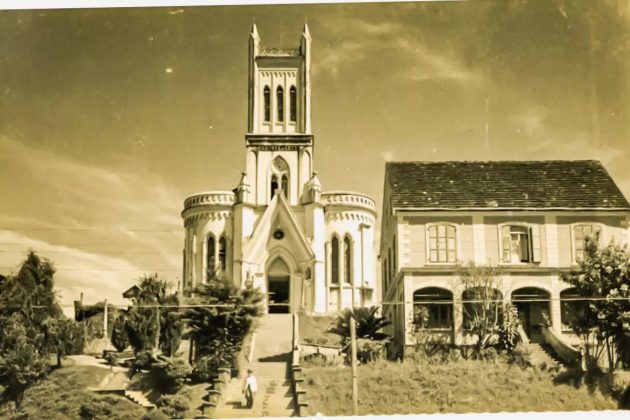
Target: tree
[
  {"x": 120, "y": 338},
  {"x": 33, "y": 326},
  {"x": 604, "y": 275},
  {"x": 368, "y": 323},
  {"x": 217, "y": 332},
  {"x": 487, "y": 318},
  {"x": 154, "y": 321}
]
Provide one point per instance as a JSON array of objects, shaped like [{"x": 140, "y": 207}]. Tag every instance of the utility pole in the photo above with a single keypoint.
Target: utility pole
[
  {"x": 105, "y": 325},
  {"x": 355, "y": 384}
]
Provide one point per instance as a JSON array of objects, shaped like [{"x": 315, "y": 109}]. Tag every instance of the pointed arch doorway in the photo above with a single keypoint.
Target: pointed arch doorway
[{"x": 279, "y": 287}]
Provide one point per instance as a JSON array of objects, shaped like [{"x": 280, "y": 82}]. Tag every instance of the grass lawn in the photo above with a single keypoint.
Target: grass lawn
[
  {"x": 456, "y": 387},
  {"x": 61, "y": 395},
  {"x": 314, "y": 330}
]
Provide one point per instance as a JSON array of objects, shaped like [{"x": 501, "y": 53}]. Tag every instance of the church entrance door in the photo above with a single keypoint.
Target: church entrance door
[{"x": 278, "y": 287}]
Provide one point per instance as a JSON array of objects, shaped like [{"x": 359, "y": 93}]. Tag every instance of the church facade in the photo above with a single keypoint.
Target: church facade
[{"x": 306, "y": 249}]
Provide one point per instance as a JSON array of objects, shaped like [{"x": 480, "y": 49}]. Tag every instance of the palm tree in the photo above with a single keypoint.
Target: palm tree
[{"x": 368, "y": 323}]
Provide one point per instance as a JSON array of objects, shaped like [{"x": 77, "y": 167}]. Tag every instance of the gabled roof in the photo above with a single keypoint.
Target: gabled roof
[
  {"x": 277, "y": 214},
  {"x": 557, "y": 184}
]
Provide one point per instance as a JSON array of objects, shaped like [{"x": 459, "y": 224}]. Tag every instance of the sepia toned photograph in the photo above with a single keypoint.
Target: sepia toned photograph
[{"x": 315, "y": 210}]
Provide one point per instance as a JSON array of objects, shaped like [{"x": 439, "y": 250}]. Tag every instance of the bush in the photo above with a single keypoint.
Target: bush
[
  {"x": 97, "y": 409},
  {"x": 174, "y": 406},
  {"x": 143, "y": 361},
  {"x": 172, "y": 373},
  {"x": 367, "y": 350},
  {"x": 520, "y": 356}
]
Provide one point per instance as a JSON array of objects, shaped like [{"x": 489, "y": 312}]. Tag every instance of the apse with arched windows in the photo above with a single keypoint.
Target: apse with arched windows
[
  {"x": 341, "y": 262},
  {"x": 212, "y": 268},
  {"x": 433, "y": 308},
  {"x": 533, "y": 305}
]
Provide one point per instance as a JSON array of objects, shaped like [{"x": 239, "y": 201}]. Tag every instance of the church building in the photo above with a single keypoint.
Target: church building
[{"x": 306, "y": 249}]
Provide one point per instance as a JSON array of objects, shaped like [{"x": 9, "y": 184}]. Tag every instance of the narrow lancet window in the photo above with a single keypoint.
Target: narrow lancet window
[
  {"x": 267, "y": 100},
  {"x": 280, "y": 99},
  {"x": 293, "y": 104}
]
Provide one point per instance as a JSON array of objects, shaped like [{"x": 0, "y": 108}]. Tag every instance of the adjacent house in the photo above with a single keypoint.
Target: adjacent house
[{"x": 529, "y": 218}]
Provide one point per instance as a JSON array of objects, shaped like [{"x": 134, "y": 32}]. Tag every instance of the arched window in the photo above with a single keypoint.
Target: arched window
[
  {"x": 285, "y": 185},
  {"x": 280, "y": 100},
  {"x": 210, "y": 266},
  {"x": 274, "y": 185},
  {"x": 267, "y": 100},
  {"x": 442, "y": 243},
  {"x": 222, "y": 253},
  {"x": 334, "y": 263},
  {"x": 293, "y": 104},
  {"x": 433, "y": 308},
  {"x": 347, "y": 260}
]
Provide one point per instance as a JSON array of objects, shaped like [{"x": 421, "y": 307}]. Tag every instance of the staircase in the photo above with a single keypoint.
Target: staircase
[
  {"x": 271, "y": 366},
  {"x": 139, "y": 398},
  {"x": 542, "y": 353}
]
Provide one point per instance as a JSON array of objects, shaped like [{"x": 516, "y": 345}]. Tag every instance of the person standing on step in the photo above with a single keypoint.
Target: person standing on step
[{"x": 250, "y": 387}]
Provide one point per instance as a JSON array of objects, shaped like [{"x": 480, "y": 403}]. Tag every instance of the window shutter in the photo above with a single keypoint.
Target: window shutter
[
  {"x": 506, "y": 244},
  {"x": 536, "y": 248}
]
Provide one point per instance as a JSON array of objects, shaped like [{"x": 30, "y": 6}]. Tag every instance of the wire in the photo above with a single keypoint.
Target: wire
[
  {"x": 232, "y": 305},
  {"x": 151, "y": 270},
  {"x": 8, "y": 251},
  {"x": 98, "y": 229}
]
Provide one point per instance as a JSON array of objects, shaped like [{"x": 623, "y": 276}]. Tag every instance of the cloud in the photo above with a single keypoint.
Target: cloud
[
  {"x": 97, "y": 276},
  {"x": 102, "y": 216},
  {"x": 361, "y": 39}
]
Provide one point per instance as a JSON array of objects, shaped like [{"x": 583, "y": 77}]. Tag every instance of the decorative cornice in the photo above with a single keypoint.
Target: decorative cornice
[
  {"x": 210, "y": 198},
  {"x": 347, "y": 199},
  {"x": 212, "y": 215},
  {"x": 350, "y": 215}
]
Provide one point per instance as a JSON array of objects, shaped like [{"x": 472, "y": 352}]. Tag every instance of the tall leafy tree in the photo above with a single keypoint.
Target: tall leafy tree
[
  {"x": 604, "y": 274},
  {"x": 218, "y": 331}
]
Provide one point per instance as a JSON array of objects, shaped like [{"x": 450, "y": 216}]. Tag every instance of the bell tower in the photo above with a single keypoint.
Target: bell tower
[{"x": 279, "y": 142}]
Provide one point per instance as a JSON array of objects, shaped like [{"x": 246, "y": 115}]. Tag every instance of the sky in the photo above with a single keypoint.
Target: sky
[{"x": 110, "y": 118}]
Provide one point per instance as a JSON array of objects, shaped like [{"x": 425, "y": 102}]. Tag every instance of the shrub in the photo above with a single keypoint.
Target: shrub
[
  {"x": 174, "y": 406},
  {"x": 172, "y": 372},
  {"x": 143, "y": 360},
  {"x": 120, "y": 338},
  {"x": 508, "y": 335},
  {"x": 97, "y": 409},
  {"x": 520, "y": 356},
  {"x": 367, "y": 350}
]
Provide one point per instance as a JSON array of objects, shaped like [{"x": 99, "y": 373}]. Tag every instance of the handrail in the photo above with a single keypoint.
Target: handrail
[{"x": 561, "y": 346}]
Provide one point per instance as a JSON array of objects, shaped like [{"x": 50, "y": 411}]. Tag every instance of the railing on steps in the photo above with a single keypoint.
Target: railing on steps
[
  {"x": 560, "y": 345},
  {"x": 297, "y": 374}
]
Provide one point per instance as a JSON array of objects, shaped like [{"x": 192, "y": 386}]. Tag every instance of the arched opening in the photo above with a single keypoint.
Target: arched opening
[
  {"x": 223, "y": 253},
  {"x": 267, "y": 103},
  {"x": 334, "y": 260},
  {"x": 274, "y": 185},
  {"x": 280, "y": 103},
  {"x": 278, "y": 287},
  {"x": 347, "y": 260},
  {"x": 481, "y": 305},
  {"x": 285, "y": 185},
  {"x": 533, "y": 306},
  {"x": 572, "y": 307},
  {"x": 433, "y": 308},
  {"x": 210, "y": 250},
  {"x": 293, "y": 104}
]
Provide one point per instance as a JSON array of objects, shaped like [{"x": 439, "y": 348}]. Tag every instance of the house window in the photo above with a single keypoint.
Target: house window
[
  {"x": 580, "y": 233},
  {"x": 210, "y": 249},
  {"x": 347, "y": 260},
  {"x": 267, "y": 101},
  {"x": 520, "y": 244},
  {"x": 433, "y": 308},
  {"x": 222, "y": 253},
  {"x": 442, "y": 243},
  {"x": 334, "y": 263},
  {"x": 573, "y": 306},
  {"x": 293, "y": 104},
  {"x": 280, "y": 103}
]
